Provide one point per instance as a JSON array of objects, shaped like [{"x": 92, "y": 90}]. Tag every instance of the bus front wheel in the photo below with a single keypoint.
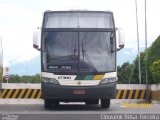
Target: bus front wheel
[
  {"x": 48, "y": 103},
  {"x": 105, "y": 103},
  {"x": 92, "y": 102}
]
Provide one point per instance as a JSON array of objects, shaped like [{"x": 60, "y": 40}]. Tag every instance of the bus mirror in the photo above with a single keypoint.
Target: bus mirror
[
  {"x": 37, "y": 38},
  {"x": 121, "y": 38}
]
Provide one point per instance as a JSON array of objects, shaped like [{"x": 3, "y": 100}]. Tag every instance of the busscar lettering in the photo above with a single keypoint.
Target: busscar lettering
[{"x": 64, "y": 77}]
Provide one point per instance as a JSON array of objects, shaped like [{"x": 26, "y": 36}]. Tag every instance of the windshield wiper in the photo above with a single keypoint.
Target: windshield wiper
[
  {"x": 112, "y": 35},
  {"x": 84, "y": 53},
  {"x": 75, "y": 50}
]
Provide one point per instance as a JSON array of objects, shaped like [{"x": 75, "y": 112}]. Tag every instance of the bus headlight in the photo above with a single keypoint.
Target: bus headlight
[
  {"x": 51, "y": 80},
  {"x": 108, "y": 80}
]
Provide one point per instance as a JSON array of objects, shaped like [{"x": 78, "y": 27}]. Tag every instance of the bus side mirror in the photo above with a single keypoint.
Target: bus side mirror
[
  {"x": 121, "y": 38},
  {"x": 37, "y": 39}
]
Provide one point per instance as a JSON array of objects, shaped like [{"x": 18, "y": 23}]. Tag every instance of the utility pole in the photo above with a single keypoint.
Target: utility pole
[
  {"x": 26, "y": 68},
  {"x": 147, "y": 92},
  {"x": 139, "y": 64},
  {"x": 1, "y": 64},
  {"x": 26, "y": 72}
]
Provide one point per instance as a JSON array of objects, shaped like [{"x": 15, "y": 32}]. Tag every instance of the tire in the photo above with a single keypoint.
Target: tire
[
  {"x": 105, "y": 103},
  {"x": 47, "y": 103},
  {"x": 92, "y": 102}
]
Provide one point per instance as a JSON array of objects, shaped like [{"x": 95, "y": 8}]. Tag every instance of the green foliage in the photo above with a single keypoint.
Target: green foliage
[
  {"x": 125, "y": 73},
  {"x": 24, "y": 79},
  {"x": 153, "y": 54},
  {"x": 135, "y": 74},
  {"x": 155, "y": 70}
]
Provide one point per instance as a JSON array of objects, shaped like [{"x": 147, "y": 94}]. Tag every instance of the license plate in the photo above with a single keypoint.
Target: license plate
[{"x": 79, "y": 92}]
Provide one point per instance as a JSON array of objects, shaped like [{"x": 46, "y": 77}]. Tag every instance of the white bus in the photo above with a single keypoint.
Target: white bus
[{"x": 78, "y": 57}]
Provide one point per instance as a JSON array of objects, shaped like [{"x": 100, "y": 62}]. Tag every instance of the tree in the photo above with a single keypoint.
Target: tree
[
  {"x": 24, "y": 79},
  {"x": 135, "y": 75},
  {"x": 153, "y": 54},
  {"x": 155, "y": 70},
  {"x": 125, "y": 73},
  {"x": 130, "y": 71},
  {"x": 14, "y": 79}
]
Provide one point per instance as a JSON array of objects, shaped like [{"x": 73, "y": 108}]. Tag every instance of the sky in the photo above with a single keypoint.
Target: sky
[{"x": 19, "y": 18}]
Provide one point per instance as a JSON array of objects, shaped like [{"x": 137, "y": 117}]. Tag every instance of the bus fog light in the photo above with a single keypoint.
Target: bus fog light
[{"x": 108, "y": 80}]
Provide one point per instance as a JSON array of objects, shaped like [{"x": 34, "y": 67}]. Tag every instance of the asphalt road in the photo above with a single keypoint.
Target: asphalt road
[{"x": 77, "y": 112}]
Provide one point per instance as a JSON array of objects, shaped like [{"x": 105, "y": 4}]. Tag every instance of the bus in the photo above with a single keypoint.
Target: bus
[
  {"x": 1, "y": 65},
  {"x": 78, "y": 57}
]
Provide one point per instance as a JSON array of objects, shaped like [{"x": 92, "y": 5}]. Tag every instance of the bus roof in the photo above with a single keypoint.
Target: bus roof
[{"x": 78, "y": 19}]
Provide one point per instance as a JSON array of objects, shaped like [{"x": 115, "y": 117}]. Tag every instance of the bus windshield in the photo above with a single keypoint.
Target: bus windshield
[{"x": 72, "y": 52}]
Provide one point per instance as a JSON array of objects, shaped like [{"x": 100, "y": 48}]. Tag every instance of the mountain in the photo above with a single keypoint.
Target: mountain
[
  {"x": 33, "y": 66},
  {"x": 127, "y": 55}
]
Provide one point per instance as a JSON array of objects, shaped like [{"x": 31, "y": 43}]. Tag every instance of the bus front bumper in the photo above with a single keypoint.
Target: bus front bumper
[{"x": 51, "y": 91}]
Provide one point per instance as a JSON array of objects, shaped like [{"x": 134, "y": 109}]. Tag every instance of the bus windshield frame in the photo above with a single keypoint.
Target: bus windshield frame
[{"x": 75, "y": 62}]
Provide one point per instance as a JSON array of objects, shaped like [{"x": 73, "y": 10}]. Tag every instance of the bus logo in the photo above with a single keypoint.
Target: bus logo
[{"x": 79, "y": 82}]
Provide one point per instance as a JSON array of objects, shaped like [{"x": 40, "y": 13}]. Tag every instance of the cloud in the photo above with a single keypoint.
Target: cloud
[
  {"x": 19, "y": 18},
  {"x": 17, "y": 25}
]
